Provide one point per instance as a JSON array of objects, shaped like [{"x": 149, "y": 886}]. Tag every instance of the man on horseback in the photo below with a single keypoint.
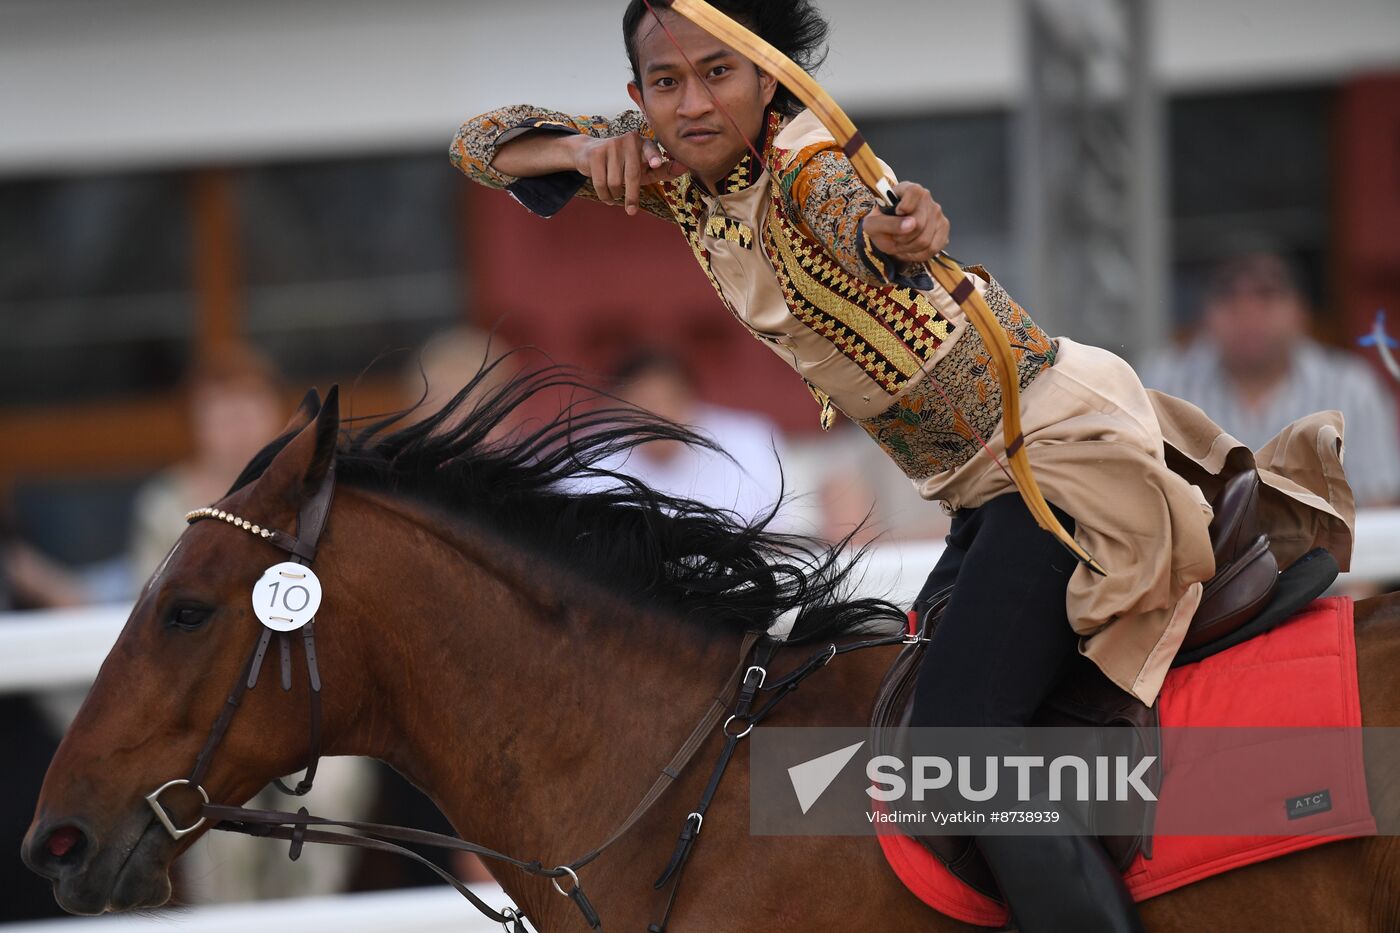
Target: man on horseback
[{"x": 799, "y": 250}]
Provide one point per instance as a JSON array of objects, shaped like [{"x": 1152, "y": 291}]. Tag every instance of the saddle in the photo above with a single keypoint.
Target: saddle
[
  {"x": 1247, "y": 596},
  {"x": 1246, "y": 572}
]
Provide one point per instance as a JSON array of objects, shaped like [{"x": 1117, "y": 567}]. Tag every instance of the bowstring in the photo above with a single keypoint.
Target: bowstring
[{"x": 763, "y": 167}]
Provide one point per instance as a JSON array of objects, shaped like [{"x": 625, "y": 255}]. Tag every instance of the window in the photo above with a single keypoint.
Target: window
[
  {"x": 346, "y": 260},
  {"x": 95, "y": 287}
]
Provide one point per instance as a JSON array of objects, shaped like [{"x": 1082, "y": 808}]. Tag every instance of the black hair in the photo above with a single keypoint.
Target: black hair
[
  {"x": 1254, "y": 266},
  {"x": 698, "y": 562},
  {"x": 794, "y": 27}
]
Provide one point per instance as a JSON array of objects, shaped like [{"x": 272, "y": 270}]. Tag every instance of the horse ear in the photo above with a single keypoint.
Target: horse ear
[
  {"x": 298, "y": 469},
  {"x": 306, "y": 412},
  {"x": 327, "y": 434}
]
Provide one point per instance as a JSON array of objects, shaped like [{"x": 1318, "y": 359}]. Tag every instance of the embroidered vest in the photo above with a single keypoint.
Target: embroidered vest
[{"x": 889, "y": 331}]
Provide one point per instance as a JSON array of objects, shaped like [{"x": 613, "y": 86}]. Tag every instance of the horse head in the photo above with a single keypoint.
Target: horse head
[{"x": 165, "y": 682}]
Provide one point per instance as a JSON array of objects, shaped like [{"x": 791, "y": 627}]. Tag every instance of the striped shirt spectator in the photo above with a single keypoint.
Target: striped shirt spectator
[{"x": 1253, "y": 370}]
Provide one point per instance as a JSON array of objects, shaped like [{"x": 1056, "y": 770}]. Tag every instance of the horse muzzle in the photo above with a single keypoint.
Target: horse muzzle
[{"x": 92, "y": 874}]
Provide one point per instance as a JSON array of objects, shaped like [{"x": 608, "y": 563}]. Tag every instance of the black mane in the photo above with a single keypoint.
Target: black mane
[{"x": 660, "y": 551}]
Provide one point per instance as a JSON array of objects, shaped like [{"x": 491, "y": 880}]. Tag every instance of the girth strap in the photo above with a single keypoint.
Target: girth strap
[
  {"x": 748, "y": 690},
  {"x": 675, "y": 867}
]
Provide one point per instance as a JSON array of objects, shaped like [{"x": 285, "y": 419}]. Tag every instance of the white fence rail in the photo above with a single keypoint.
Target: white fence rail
[
  {"x": 421, "y": 910},
  {"x": 64, "y": 648}
]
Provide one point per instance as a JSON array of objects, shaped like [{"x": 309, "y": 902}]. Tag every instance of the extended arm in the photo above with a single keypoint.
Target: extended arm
[{"x": 544, "y": 158}]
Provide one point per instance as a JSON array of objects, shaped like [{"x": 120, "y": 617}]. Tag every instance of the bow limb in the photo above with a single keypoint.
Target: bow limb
[{"x": 944, "y": 272}]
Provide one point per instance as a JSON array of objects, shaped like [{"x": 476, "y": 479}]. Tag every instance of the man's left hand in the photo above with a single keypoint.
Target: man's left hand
[{"x": 917, "y": 230}]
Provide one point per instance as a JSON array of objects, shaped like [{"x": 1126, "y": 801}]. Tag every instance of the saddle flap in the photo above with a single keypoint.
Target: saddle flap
[
  {"x": 1297, "y": 586},
  {"x": 1246, "y": 571},
  {"x": 1236, "y": 523},
  {"x": 1234, "y": 595},
  {"x": 889, "y": 723}
]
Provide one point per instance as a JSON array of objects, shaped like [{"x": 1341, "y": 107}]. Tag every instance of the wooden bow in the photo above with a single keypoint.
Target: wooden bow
[{"x": 945, "y": 272}]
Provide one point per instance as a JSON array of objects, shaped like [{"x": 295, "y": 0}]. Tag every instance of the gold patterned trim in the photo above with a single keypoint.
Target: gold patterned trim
[
  {"x": 727, "y": 228},
  {"x": 741, "y": 177},
  {"x": 889, "y": 331},
  {"x": 921, "y": 432},
  {"x": 686, "y": 208}
]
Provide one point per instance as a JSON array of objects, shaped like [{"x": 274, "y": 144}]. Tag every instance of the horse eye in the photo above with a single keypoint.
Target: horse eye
[{"x": 188, "y": 617}]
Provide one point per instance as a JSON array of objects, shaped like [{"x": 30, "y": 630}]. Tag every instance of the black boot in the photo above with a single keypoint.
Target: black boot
[{"x": 1060, "y": 884}]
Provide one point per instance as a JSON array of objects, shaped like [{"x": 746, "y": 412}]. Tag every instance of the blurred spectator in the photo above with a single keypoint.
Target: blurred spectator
[
  {"x": 748, "y": 484},
  {"x": 29, "y": 745},
  {"x": 1254, "y": 369},
  {"x": 848, "y": 507},
  {"x": 235, "y": 406},
  {"x": 29, "y": 579},
  {"x": 448, "y": 361},
  {"x": 855, "y": 484}
]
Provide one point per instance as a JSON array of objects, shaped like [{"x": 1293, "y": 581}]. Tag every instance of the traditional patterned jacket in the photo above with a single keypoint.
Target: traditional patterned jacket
[{"x": 786, "y": 250}]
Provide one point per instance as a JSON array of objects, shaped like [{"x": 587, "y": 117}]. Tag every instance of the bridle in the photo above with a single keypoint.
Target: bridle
[
  {"x": 736, "y": 698},
  {"x": 311, "y": 521}
]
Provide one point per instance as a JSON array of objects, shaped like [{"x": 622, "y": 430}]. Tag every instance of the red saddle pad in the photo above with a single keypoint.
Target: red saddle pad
[{"x": 1301, "y": 674}]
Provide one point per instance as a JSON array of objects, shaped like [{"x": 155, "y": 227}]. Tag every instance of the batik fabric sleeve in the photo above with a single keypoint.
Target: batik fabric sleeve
[
  {"x": 826, "y": 196},
  {"x": 480, "y": 138}
]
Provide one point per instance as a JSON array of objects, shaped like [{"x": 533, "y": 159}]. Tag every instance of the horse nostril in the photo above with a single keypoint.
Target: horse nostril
[
  {"x": 51, "y": 853},
  {"x": 64, "y": 840}
]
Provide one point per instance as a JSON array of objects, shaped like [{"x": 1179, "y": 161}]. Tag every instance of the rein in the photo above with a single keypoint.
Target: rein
[{"x": 737, "y": 697}]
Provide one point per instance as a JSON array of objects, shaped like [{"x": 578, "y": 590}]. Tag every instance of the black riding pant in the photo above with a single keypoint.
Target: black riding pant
[
  {"x": 1004, "y": 639},
  {"x": 999, "y": 649}
]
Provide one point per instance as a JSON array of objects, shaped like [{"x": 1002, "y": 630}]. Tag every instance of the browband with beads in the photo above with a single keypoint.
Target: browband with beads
[{"x": 210, "y": 512}]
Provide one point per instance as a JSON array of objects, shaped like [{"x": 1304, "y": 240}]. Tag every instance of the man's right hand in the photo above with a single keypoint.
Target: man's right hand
[{"x": 619, "y": 166}]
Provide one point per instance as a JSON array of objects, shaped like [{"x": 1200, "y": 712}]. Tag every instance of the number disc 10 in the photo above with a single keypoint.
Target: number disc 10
[{"x": 287, "y": 596}]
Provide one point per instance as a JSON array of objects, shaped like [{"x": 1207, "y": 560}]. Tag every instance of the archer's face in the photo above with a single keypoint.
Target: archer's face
[{"x": 688, "y": 113}]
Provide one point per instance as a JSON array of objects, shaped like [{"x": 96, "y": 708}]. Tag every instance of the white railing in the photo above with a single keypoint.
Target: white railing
[
  {"x": 63, "y": 648},
  {"x": 422, "y": 910}
]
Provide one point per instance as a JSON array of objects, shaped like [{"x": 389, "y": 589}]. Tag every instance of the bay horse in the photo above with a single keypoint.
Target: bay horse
[{"x": 529, "y": 651}]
